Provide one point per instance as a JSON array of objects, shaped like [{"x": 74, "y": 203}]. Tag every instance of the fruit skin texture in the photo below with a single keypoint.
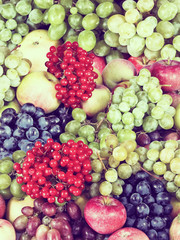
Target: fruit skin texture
[
  {"x": 38, "y": 88},
  {"x": 128, "y": 233},
  {"x": 177, "y": 117},
  {"x": 168, "y": 73},
  {"x": 176, "y": 207},
  {"x": 116, "y": 71},
  {"x": 2, "y": 207},
  {"x": 98, "y": 101},
  {"x": 14, "y": 207},
  {"x": 34, "y": 47},
  {"x": 7, "y": 231},
  {"x": 140, "y": 62},
  {"x": 105, "y": 214},
  {"x": 176, "y": 98},
  {"x": 174, "y": 231},
  {"x": 99, "y": 63}
]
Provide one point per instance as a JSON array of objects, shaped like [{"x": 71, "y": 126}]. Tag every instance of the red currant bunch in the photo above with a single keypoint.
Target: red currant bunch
[
  {"x": 72, "y": 65},
  {"x": 55, "y": 171}
]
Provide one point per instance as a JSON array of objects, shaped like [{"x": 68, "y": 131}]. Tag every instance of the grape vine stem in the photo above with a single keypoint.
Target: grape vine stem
[
  {"x": 100, "y": 159},
  {"x": 154, "y": 176}
]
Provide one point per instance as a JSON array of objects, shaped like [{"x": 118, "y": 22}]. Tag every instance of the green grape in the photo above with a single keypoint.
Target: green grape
[
  {"x": 18, "y": 155},
  {"x": 111, "y": 141},
  {"x": 3, "y": 44},
  {"x": 149, "y": 85},
  {"x": 15, "y": 189},
  {"x": 12, "y": 74},
  {"x": 73, "y": 10},
  {"x": 159, "y": 168},
  {"x": 95, "y": 147},
  {"x": 87, "y": 40},
  {"x": 123, "y": 41},
  {"x": 105, "y": 152},
  {"x": 171, "y": 187},
  {"x": 9, "y": 95},
  {"x": 86, "y": 131},
  {"x": 113, "y": 54},
  {"x": 157, "y": 112},
  {"x": 177, "y": 180},
  {"x": 145, "y": 5},
  {"x": 64, "y": 137},
  {"x": 5, "y": 181},
  {"x": 104, "y": 132},
  {"x": 12, "y": 61},
  {"x": 73, "y": 126},
  {"x": 128, "y": 4},
  {"x": 23, "y": 7},
  {"x": 171, "y": 111},
  {"x": 114, "y": 163},
  {"x": 150, "y": 124},
  {"x": 36, "y": 16},
  {"x": 45, "y": 17},
  {"x": 124, "y": 107},
  {"x": 173, "y": 144},
  {"x": 79, "y": 114},
  {"x": 114, "y": 116},
  {"x": 117, "y": 187},
  {"x": 114, "y": 22},
  {"x": 168, "y": 52},
  {"x": 97, "y": 166},
  {"x": 138, "y": 113},
  {"x": 148, "y": 165},
  {"x": 132, "y": 158},
  {"x": 2, "y": 25},
  {"x": 6, "y": 166},
  {"x": 176, "y": 43},
  {"x": 151, "y": 55},
  {"x": 144, "y": 29},
  {"x": 101, "y": 49},
  {"x": 136, "y": 43},
  {"x": 166, "y": 122},
  {"x": 130, "y": 98},
  {"x": 116, "y": 98},
  {"x": 142, "y": 96},
  {"x": 100, "y": 116},
  {"x": 8, "y": 11},
  {"x": 120, "y": 153},
  {"x": 5, "y": 34},
  {"x": 85, "y": 6},
  {"x": 11, "y": 24},
  {"x": 111, "y": 175},
  {"x": 169, "y": 176},
  {"x": 141, "y": 80},
  {"x": 45, "y": 4},
  {"x": 141, "y": 151},
  {"x": 124, "y": 171},
  {"x": 177, "y": 153},
  {"x": 117, "y": 127},
  {"x": 130, "y": 145},
  {"x": 134, "y": 53},
  {"x": 5, "y": 83},
  {"x": 1, "y": 71},
  {"x": 105, "y": 188},
  {"x": 126, "y": 134},
  {"x": 156, "y": 145},
  {"x": 155, "y": 94},
  {"x": 56, "y": 14},
  {"x": 16, "y": 38},
  {"x": 166, "y": 29},
  {"x": 94, "y": 190},
  {"x": 153, "y": 154},
  {"x": 96, "y": 177},
  {"x": 127, "y": 30},
  {"x": 167, "y": 11},
  {"x": 178, "y": 194},
  {"x": 104, "y": 9},
  {"x": 23, "y": 68},
  {"x": 23, "y": 29},
  {"x": 128, "y": 118},
  {"x": 6, "y": 194},
  {"x": 132, "y": 16},
  {"x": 152, "y": 20},
  {"x": 111, "y": 39},
  {"x": 175, "y": 165},
  {"x": 166, "y": 155},
  {"x": 155, "y": 42},
  {"x": 90, "y": 21},
  {"x": 55, "y": 32}
]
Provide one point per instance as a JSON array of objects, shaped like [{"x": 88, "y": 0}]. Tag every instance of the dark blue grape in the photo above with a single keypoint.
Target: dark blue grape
[
  {"x": 168, "y": 209},
  {"x": 4, "y": 153},
  {"x": 163, "y": 198},
  {"x": 9, "y": 110},
  {"x": 28, "y": 108},
  {"x": 148, "y": 199},
  {"x": 8, "y": 119},
  {"x": 19, "y": 133},
  {"x": 142, "y": 210},
  {"x": 142, "y": 224},
  {"x": 130, "y": 221},
  {"x": 127, "y": 189},
  {"x": 157, "y": 186},
  {"x": 45, "y": 135},
  {"x": 130, "y": 209},
  {"x": 25, "y": 121},
  {"x": 156, "y": 209},
  {"x": 5, "y": 132},
  {"x": 22, "y": 143},
  {"x": 168, "y": 220},
  {"x": 162, "y": 235},
  {"x": 32, "y": 133},
  {"x": 10, "y": 144},
  {"x": 135, "y": 198},
  {"x": 158, "y": 223},
  {"x": 143, "y": 188},
  {"x": 152, "y": 234},
  {"x": 43, "y": 123},
  {"x": 123, "y": 200},
  {"x": 55, "y": 130},
  {"x": 39, "y": 113},
  {"x": 53, "y": 119},
  {"x": 141, "y": 175}
]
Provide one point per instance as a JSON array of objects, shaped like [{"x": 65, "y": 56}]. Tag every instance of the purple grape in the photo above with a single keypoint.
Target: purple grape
[
  {"x": 49, "y": 209},
  {"x": 27, "y": 211},
  {"x": 143, "y": 139},
  {"x": 88, "y": 233},
  {"x": 77, "y": 227},
  {"x": 38, "y": 202},
  {"x": 154, "y": 136},
  {"x": 63, "y": 226},
  {"x": 63, "y": 215},
  {"x": 25, "y": 236},
  {"x": 32, "y": 225},
  {"x": 73, "y": 210},
  {"x": 53, "y": 234},
  {"x": 20, "y": 223}
]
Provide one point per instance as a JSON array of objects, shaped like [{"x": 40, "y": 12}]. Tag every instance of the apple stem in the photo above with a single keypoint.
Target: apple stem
[
  {"x": 100, "y": 159},
  {"x": 154, "y": 176},
  {"x": 106, "y": 200}
]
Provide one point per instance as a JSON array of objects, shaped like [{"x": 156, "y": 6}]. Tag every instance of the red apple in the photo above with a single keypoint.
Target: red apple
[
  {"x": 176, "y": 98},
  {"x": 7, "y": 231},
  {"x": 128, "y": 233},
  {"x": 2, "y": 207},
  {"x": 99, "y": 63},
  {"x": 105, "y": 214},
  {"x": 140, "y": 62},
  {"x": 168, "y": 73}
]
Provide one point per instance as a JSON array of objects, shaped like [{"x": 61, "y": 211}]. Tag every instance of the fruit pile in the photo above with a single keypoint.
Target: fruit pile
[{"x": 89, "y": 120}]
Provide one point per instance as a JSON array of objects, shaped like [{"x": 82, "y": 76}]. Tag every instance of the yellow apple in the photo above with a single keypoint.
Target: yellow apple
[
  {"x": 7, "y": 231},
  {"x": 15, "y": 205},
  {"x": 13, "y": 104},
  {"x": 35, "y": 46},
  {"x": 38, "y": 88}
]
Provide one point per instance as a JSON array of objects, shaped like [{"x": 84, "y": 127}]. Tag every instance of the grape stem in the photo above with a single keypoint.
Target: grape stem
[
  {"x": 100, "y": 159},
  {"x": 154, "y": 176}
]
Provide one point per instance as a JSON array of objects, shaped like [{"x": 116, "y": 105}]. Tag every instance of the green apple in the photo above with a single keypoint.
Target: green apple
[
  {"x": 15, "y": 205},
  {"x": 177, "y": 117},
  {"x": 38, "y": 88},
  {"x": 13, "y": 104},
  {"x": 34, "y": 46},
  {"x": 98, "y": 101},
  {"x": 116, "y": 71}
]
